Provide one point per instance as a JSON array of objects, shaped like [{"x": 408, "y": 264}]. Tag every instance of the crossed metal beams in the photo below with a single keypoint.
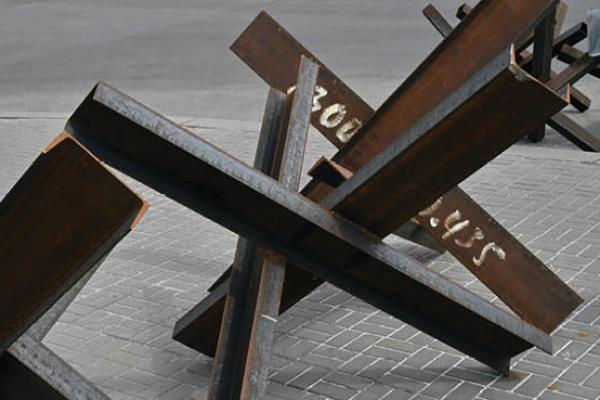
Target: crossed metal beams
[
  {"x": 252, "y": 307},
  {"x": 79, "y": 211},
  {"x": 260, "y": 45}
]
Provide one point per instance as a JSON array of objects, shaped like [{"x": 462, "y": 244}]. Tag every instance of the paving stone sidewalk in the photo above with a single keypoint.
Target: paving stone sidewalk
[{"x": 331, "y": 345}]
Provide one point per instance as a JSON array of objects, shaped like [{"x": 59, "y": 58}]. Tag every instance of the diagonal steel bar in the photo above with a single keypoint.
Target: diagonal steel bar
[
  {"x": 30, "y": 370},
  {"x": 79, "y": 211},
  {"x": 569, "y": 54},
  {"x": 175, "y": 162}
]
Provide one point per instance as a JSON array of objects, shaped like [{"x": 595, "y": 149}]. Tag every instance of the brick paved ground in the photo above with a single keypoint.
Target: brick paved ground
[{"x": 118, "y": 331}]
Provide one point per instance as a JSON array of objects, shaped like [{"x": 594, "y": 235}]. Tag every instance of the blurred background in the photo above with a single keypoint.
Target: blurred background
[{"x": 174, "y": 55}]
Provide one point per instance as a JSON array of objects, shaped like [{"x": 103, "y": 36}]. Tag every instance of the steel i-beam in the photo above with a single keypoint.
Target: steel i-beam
[
  {"x": 175, "y": 162},
  {"x": 252, "y": 305}
]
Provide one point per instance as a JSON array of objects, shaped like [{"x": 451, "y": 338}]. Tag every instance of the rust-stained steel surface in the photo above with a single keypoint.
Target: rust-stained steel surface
[
  {"x": 143, "y": 144},
  {"x": 59, "y": 220},
  {"x": 272, "y": 276}
]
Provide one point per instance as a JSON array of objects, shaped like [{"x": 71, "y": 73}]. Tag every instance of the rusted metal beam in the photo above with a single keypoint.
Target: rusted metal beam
[
  {"x": 329, "y": 172},
  {"x": 508, "y": 103},
  {"x": 570, "y": 37},
  {"x": 141, "y": 143},
  {"x": 574, "y": 72},
  {"x": 559, "y": 13},
  {"x": 272, "y": 274},
  {"x": 29, "y": 370},
  {"x": 252, "y": 306},
  {"x": 79, "y": 211},
  {"x": 579, "y": 136},
  {"x": 462, "y": 56},
  {"x": 473, "y": 246},
  {"x": 437, "y": 20}
]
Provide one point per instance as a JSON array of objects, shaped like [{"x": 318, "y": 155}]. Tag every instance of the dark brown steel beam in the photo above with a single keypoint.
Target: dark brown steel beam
[
  {"x": 571, "y": 37},
  {"x": 500, "y": 22},
  {"x": 542, "y": 61},
  {"x": 59, "y": 220},
  {"x": 328, "y": 172},
  {"x": 560, "y": 122},
  {"x": 574, "y": 72},
  {"x": 145, "y": 145},
  {"x": 437, "y": 20}
]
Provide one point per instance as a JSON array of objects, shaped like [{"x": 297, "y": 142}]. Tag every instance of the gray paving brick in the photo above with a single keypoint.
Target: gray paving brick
[
  {"x": 374, "y": 392},
  {"x": 350, "y": 381},
  {"x": 534, "y": 385},
  {"x": 594, "y": 380},
  {"x": 514, "y": 379},
  {"x": 357, "y": 364},
  {"x": 577, "y": 373},
  {"x": 470, "y": 376},
  {"x": 441, "y": 387},
  {"x": 575, "y": 390},
  {"x": 364, "y": 341},
  {"x": 464, "y": 391},
  {"x": 495, "y": 394},
  {"x": 414, "y": 373}
]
